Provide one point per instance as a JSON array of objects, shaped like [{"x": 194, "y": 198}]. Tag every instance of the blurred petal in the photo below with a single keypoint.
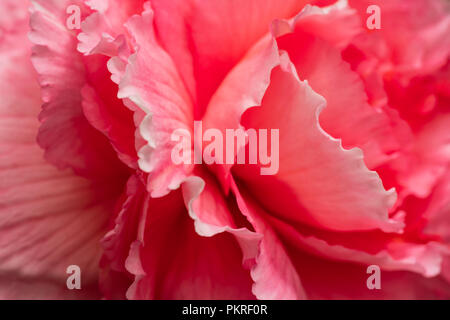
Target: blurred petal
[
  {"x": 315, "y": 52},
  {"x": 103, "y": 27},
  {"x": 115, "y": 279},
  {"x": 273, "y": 273},
  {"x": 413, "y": 38},
  {"x": 324, "y": 279},
  {"x": 49, "y": 219}
]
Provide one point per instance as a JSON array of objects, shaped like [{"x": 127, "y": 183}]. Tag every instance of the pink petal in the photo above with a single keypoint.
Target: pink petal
[
  {"x": 171, "y": 261},
  {"x": 273, "y": 273},
  {"x": 413, "y": 38},
  {"x": 49, "y": 219},
  {"x": 108, "y": 114},
  {"x": 202, "y": 36},
  {"x": 405, "y": 69},
  {"x": 438, "y": 218},
  {"x": 423, "y": 103},
  {"x": 153, "y": 84},
  {"x": 65, "y": 134},
  {"x": 316, "y": 55},
  {"x": 317, "y": 21},
  {"x": 146, "y": 228},
  {"x": 115, "y": 279},
  {"x": 324, "y": 279},
  {"x": 103, "y": 27},
  {"x": 389, "y": 252},
  {"x": 425, "y": 161},
  {"x": 244, "y": 87},
  {"x": 325, "y": 270},
  {"x": 319, "y": 182}
]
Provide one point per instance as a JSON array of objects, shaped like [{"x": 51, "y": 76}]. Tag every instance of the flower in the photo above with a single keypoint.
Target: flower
[{"x": 88, "y": 179}]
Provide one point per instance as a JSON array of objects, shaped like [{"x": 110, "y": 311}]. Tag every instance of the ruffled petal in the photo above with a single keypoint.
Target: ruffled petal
[
  {"x": 404, "y": 66},
  {"x": 68, "y": 138},
  {"x": 324, "y": 279},
  {"x": 273, "y": 273},
  {"x": 316, "y": 54},
  {"x": 424, "y": 161},
  {"x": 108, "y": 114},
  {"x": 319, "y": 182},
  {"x": 153, "y": 84},
  {"x": 413, "y": 38},
  {"x": 423, "y": 104},
  {"x": 243, "y": 88},
  {"x": 389, "y": 252},
  {"x": 202, "y": 36},
  {"x": 101, "y": 30},
  {"x": 115, "y": 279},
  {"x": 171, "y": 261},
  {"x": 49, "y": 219},
  {"x": 437, "y": 213}
]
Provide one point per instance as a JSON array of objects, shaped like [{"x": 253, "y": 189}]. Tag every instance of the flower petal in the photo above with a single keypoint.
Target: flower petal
[
  {"x": 49, "y": 219},
  {"x": 205, "y": 35},
  {"x": 68, "y": 138},
  {"x": 320, "y": 183},
  {"x": 316, "y": 55},
  {"x": 103, "y": 27},
  {"x": 152, "y": 83},
  {"x": 115, "y": 279},
  {"x": 273, "y": 273},
  {"x": 171, "y": 261},
  {"x": 413, "y": 38},
  {"x": 324, "y": 279}
]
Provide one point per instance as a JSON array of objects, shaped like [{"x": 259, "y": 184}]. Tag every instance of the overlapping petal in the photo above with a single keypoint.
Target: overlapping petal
[
  {"x": 316, "y": 55},
  {"x": 153, "y": 84},
  {"x": 49, "y": 219},
  {"x": 171, "y": 261},
  {"x": 319, "y": 182},
  {"x": 63, "y": 75}
]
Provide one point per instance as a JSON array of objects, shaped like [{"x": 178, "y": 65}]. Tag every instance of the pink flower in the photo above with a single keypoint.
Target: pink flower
[{"x": 364, "y": 149}]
